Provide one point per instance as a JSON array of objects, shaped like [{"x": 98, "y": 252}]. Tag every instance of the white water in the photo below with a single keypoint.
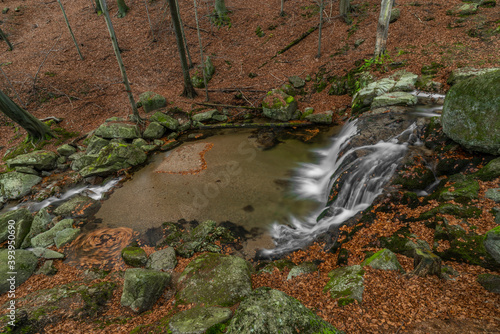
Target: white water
[{"x": 365, "y": 170}]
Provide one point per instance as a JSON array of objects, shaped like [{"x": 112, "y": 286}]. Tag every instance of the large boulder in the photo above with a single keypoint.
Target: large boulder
[
  {"x": 215, "y": 279},
  {"x": 46, "y": 239},
  {"x": 165, "y": 120},
  {"x": 95, "y": 144},
  {"x": 142, "y": 288},
  {"x": 154, "y": 131},
  {"x": 492, "y": 243},
  {"x": 267, "y": 310},
  {"x": 151, "y": 101},
  {"x": 471, "y": 113},
  {"x": 279, "y": 105},
  {"x": 198, "y": 320},
  {"x": 118, "y": 130},
  {"x": 78, "y": 207},
  {"x": 114, "y": 157},
  {"x": 40, "y": 224},
  {"x": 465, "y": 73},
  {"x": 15, "y": 185},
  {"x": 24, "y": 267},
  {"x": 347, "y": 284},
  {"x": 40, "y": 160},
  {"x": 394, "y": 99},
  {"x": 20, "y": 220}
]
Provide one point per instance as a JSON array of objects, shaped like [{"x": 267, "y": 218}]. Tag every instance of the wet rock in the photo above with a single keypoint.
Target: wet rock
[
  {"x": 204, "y": 116},
  {"x": 95, "y": 144},
  {"x": 78, "y": 207},
  {"x": 150, "y": 101},
  {"x": 394, "y": 99},
  {"x": 162, "y": 260},
  {"x": 15, "y": 185},
  {"x": 490, "y": 171},
  {"x": 365, "y": 96},
  {"x": 490, "y": 282},
  {"x": 46, "y": 239},
  {"x": 118, "y": 130},
  {"x": 471, "y": 116},
  {"x": 22, "y": 223},
  {"x": 347, "y": 284},
  {"x": 165, "y": 120},
  {"x": 384, "y": 259},
  {"x": 154, "y": 131},
  {"x": 301, "y": 269},
  {"x": 39, "y": 160},
  {"x": 198, "y": 320},
  {"x": 493, "y": 194},
  {"x": 45, "y": 253},
  {"x": 426, "y": 263},
  {"x": 225, "y": 279},
  {"x": 267, "y": 310},
  {"x": 279, "y": 105},
  {"x": 66, "y": 150},
  {"x": 134, "y": 256},
  {"x": 461, "y": 191},
  {"x": 66, "y": 236},
  {"x": 297, "y": 81},
  {"x": 25, "y": 265},
  {"x": 142, "y": 288},
  {"x": 492, "y": 243},
  {"x": 465, "y": 73},
  {"x": 321, "y": 118},
  {"x": 40, "y": 224}
]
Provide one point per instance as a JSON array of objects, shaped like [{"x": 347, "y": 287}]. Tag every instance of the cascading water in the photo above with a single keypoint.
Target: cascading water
[{"x": 345, "y": 181}]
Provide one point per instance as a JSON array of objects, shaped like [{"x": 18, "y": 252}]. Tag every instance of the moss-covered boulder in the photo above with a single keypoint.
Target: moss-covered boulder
[
  {"x": 66, "y": 150},
  {"x": 15, "y": 185},
  {"x": 471, "y": 115},
  {"x": 40, "y": 224},
  {"x": 162, "y": 260},
  {"x": 165, "y": 120},
  {"x": 14, "y": 226},
  {"x": 461, "y": 191},
  {"x": 320, "y": 118},
  {"x": 364, "y": 97},
  {"x": 95, "y": 144},
  {"x": 296, "y": 81},
  {"x": 78, "y": 207},
  {"x": 215, "y": 279},
  {"x": 199, "y": 320},
  {"x": 490, "y": 282},
  {"x": 346, "y": 284},
  {"x": 154, "y": 131},
  {"x": 150, "y": 101},
  {"x": 414, "y": 177},
  {"x": 279, "y": 105},
  {"x": 204, "y": 116},
  {"x": 142, "y": 288},
  {"x": 39, "y": 160},
  {"x": 23, "y": 266},
  {"x": 208, "y": 71},
  {"x": 45, "y": 253},
  {"x": 384, "y": 259},
  {"x": 493, "y": 194},
  {"x": 464, "y": 9},
  {"x": 280, "y": 265},
  {"x": 118, "y": 130},
  {"x": 492, "y": 243},
  {"x": 46, "y": 239},
  {"x": 490, "y": 171},
  {"x": 452, "y": 209},
  {"x": 267, "y": 310},
  {"x": 114, "y": 157},
  {"x": 301, "y": 269},
  {"x": 394, "y": 99},
  {"x": 464, "y": 73},
  {"x": 66, "y": 236},
  {"x": 134, "y": 256}
]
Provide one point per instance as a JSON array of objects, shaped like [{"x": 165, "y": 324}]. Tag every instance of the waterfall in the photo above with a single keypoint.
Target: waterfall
[{"x": 356, "y": 174}]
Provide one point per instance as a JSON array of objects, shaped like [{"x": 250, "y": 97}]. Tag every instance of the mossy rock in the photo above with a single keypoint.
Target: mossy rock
[
  {"x": 22, "y": 224},
  {"x": 199, "y": 320},
  {"x": 490, "y": 171},
  {"x": 46, "y": 239},
  {"x": 142, "y": 288},
  {"x": 154, "y": 131},
  {"x": 40, "y": 160},
  {"x": 118, "y": 130},
  {"x": 279, "y": 105},
  {"x": 24, "y": 266},
  {"x": 347, "y": 284},
  {"x": 384, "y": 259},
  {"x": 151, "y": 101},
  {"x": 280, "y": 264},
  {"x": 95, "y": 144},
  {"x": 302, "y": 269},
  {"x": 490, "y": 282},
  {"x": 452, "y": 209},
  {"x": 492, "y": 243},
  {"x": 462, "y": 191},
  {"x": 165, "y": 120},
  {"x": 414, "y": 177},
  {"x": 78, "y": 207},
  {"x": 16, "y": 185},
  {"x": 134, "y": 256}
]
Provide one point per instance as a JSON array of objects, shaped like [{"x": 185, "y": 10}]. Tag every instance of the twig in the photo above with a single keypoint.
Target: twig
[
  {"x": 43, "y": 62},
  {"x": 55, "y": 119},
  {"x": 246, "y": 98}
]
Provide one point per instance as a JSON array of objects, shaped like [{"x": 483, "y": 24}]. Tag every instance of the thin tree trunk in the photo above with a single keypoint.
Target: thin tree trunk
[
  {"x": 116, "y": 49},
  {"x": 98, "y": 8},
  {"x": 4, "y": 37},
  {"x": 189, "y": 90},
  {"x": 201, "y": 47},
  {"x": 70, "y": 31},
  {"x": 344, "y": 8},
  {"x": 33, "y": 126},
  {"x": 122, "y": 8},
  {"x": 282, "y": 10},
  {"x": 149, "y": 20},
  {"x": 320, "y": 26},
  {"x": 220, "y": 8},
  {"x": 190, "y": 62},
  {"x": 383, "y": 27}
]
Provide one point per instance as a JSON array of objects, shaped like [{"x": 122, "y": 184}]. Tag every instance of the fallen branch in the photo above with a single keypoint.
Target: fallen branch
[
  {"x": 226, "y": 106},
  {"x": 234, "y": 90},
  {"x": 256, "y": 125},
  {"x": 55, "y": 119}
]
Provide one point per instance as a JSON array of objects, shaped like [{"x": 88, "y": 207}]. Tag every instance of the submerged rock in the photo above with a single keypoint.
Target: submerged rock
[
  {"x": 267, "y": 310},
  {"x": 142, "y": 288},
  {"x": 198, "y": 320}
]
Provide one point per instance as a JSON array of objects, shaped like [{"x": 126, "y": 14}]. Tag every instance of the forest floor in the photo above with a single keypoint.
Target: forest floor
[{"x": 46, "y": 73}]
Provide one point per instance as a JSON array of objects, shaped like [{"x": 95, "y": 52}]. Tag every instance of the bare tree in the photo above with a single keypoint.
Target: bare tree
[
  {"x": 383, "y": 27},
  {"x": 201, "y": 48},
  {"x": 282, "y": 10},
  {"x": 33, "y": 126},
  {"x": 116, "y": 49},
  {"x": 4, "y": 37},
  {"x": 70, "y": 31},
  {"x": 344, "y": 8},
  {"x": 190, "y": 62},
  {"x": 321, "y": 6},
  {"x": 189, "y": 90}
]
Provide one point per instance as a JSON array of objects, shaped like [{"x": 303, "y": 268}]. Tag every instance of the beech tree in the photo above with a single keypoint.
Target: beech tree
[
  {"x": 344, "y": 8},
  {"x": 36, "y": 129},
  {"x": 70, "y": 31},
  {"x": 201, "y": 48},
  {"x": 383, "y": 27}
]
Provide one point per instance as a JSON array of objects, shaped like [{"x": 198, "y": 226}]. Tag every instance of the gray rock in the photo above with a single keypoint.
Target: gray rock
[
  {"x": 405, "y": 81},
  {"x": 490, "y": 282},
  {"x": 384, "y": 259},
  {"x": 15, "y": 185},
  {"x": 95, "y": 144},
  {"x": 66, "y": 150},
  {"x": 493, "y": 194},
  {"x": 471, "y": 115},
  {"x": 45, "y": 253},
  {"x": 139, "y": 142},
  {"x": 347, "y": 284},
  {"x": 151, "y": 101},
  {"x": 365, "y": 96},
  {"x": 134, "y": 256},
  {"x": 321, "y": 118},
  {"x": 66, "y": 236},
  {"x": 301, "y": 269},
  {"x": 118, "y": 130},
  {"x": 26, "y": 170},
  {"x": 46, "y": 239},
  {"x": 394, "y": 99},
  {"x": 198, "y": 320},
  {"x": 24, "y": 267},
  {"x": 296, "y": 81},
  {"x": 220, "y": 118},
  {"x": 395, "y": 14},
  {"x": 47, "y": 268},
  {"x": 165, "y": 120},
  {"x": 465, "y": 73},
  {"x": 142, "y": 288},
  {"x": 22, "y": 223},
  {"x": 490, "y": 171},
  {"x": 279, "y": 105},
  {"x": 40, "y": 160},
  {"x": 162, "y": 260},
  {"x": 465, "y": 9},
  {"x": 267, "y": 310},
  {"x": 492, "y": 243},
  {"x": 204, "y": 116},
  {"x": 40, "y": 224},
  {"x": 81, "y": 160},
  {"x": 225, "y": 280},
  {"x": 154, "y": 131},
  {"x": 78, "y": 207}
]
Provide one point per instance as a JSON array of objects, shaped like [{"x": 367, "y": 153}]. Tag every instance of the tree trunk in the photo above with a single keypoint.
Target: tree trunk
[
  {"x": 426, "y": 263},
  {"x": 98, "y": 8},
  {"x": 188, "y": 86},
  {"x": 116, "y": 49},
  {"x": 122, "y": 8},
  {"x": 345, "y": 8},
  {"x": 6, "y": 40},
  {"x": 320, "y": 26},
  {"x": 220, "y": 8},
  {"x": 201, "y": 47},
  {"x": 282, "y": 10},
  {"x": 383, "y": 27},
  {"x": 70, "y": 31},
  {"x": 149, "y": 20},
  {"x": 35, "y": 129},
  {"x": 190, "y": 62}
]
